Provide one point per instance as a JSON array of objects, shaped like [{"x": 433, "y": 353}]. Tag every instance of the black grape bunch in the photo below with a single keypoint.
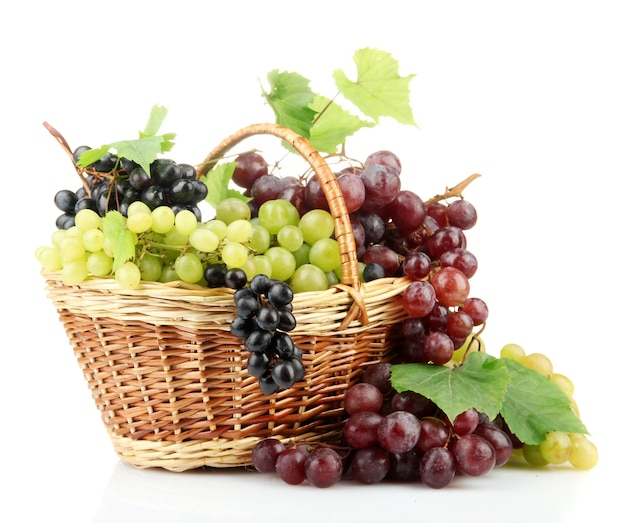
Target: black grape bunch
[{"x": 263, "y": 321}]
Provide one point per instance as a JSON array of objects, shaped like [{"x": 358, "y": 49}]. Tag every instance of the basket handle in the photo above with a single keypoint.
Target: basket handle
[{"x": 332, "y": 191}]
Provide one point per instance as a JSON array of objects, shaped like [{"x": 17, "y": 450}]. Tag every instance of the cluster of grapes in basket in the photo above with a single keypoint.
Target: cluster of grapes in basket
[
  {"x": 115, "y": 183},
  {"x": 264, "y": 319}
]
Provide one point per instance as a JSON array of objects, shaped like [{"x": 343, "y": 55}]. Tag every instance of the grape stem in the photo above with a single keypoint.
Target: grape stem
[{"x": 454, "y": 192}]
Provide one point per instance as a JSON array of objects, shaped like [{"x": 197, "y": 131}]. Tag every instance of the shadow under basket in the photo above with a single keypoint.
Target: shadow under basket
[{"x": 170, "y": 380}]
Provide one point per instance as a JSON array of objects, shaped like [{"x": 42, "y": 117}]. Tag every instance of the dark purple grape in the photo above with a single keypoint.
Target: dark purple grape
[
  {"x": 290, "y": 466},
  {"x": 499, "y": 439},
  {"x": 373, "y": 271},
  {"x": 416, "y": 265},
  {"x": 242, "y": 327},
  {"x": 165, "y": 172},
  {"x": 465, "y": 422},
  {"x": 323, "y": 467},
  {"x": 246, "y": 306},
  {"x": 379, "y": 375},
  {"x": 65, "y": 200},
  {"x": 267, "y": 317},
  {"x": 477, "y": 309},
  {"x": 181, "y": 190},
  {"x": 353, "y": 191},
  {"x": 279, "y": 294},
  {"x": 405, "y": 467},
  {"x": 373, "y": 226},
  {"x": 383, "y": 256},
  {"x": 266, "y": 188},
  {"x": 384, "y": 157},
  {"x": 437, "y": 467},
  {"x": 434, "y": 433},
  {"x": 370, "y": 465},
  {"x": 284, "y": 374},
  {"x": 265, "y": 453},
  {"x": 446, "y": 239},
  {"x": 413, "y": 328},
  {"x": 235, "y": 278},
  {"x": 382, "y": 184},
  {"x": 462, "y": 214},
  {"x": 249, "y": 166},
  {"x": 139, "y": 179},
  {"x": 361, "y": 429},
  {"x": 413, "y": 402},
  {"x": 407, "y": 211},
  {"x": 258, "y": 364},
  {"x": 399, "y": 431},
  {"x": 363, "y": 397},
  {"x": 475, "y": 456},
  {"x": 215, "y": 275},
  {"x": 258, "y": 340},
  {"x": 438, "y": 347}
]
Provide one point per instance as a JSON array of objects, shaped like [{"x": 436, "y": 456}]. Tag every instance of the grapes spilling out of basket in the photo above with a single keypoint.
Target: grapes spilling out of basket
[{"x": 403, "y": 437}]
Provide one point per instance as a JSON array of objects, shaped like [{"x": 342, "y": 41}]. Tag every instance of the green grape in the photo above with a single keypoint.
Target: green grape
[
  {"x": 249, "y": 268},
  {"x": 316, "y": 224},
  {"x": 87, "y": 219},
  {"x": 108, "y": 248},
  {"x": 231, "y": 209},
  {"x": 128, "y": 275},
  {"x": 260, "y": 239},
  {"x": 185, "y": 222},
  {"x": 168, "y": 274},
  {"x": 539, "y": 362},
  {"x": 512, "y": 351},
  {"x": 262, "y": 265},
  {"x": 74, "y": 271},
  {"x": 276, "y": 214},
  {"x": 564, "y": 383},
  {"x": 302, "y": 254},
  {"x": 556, "y": 448},
  {"x": 138, "y": 207},
  {"x": 217, "y": 227},
  {"x": 74, "y": 232},
  {"x": 290, "y": 237},
  {"x": 325, "y": 254},
  {"x": 163, "y": 219},
  {"x": 57, "y": 236},
  {"x": 99, "y": 263},
  {"x": 71, "y": 248},
  {"x": 188, "y": 267},
  {"x": 93, "y": 240},
  {"x": 283, "y": 262},
  {"x": 533, "y": 456},
  {"x": 150, "y": 267},
  {"x": 239, "y": 230},
  {"x": 139, "y": 222},
  {"x": 204, "y": 240},
  {"x": 234, "y": 254},
  {"x": 308, "y": 277},
  {"x": 584, "y": 455},
  {"x": 175, "y": 238},
  {"x": 49, "y": 258},
  {"x": 332, "y": 278}
]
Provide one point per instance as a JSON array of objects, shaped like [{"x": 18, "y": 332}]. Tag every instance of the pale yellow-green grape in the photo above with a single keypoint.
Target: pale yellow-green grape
[
  {"x": 163, "y": 218},
  {"x": 139, "y": 222},
  {"x": 276, "y": 214},
  {"x": 217, "y": 227},
  {"x": 188, "y": 267},
  {"x": 513, "y": 351},
  {"x": 584, "y": 454},
  {"x": 325, "y": 254},
  {"x": 564, "y": 383},
  {"x": 471, "y": 344},
  {"x": 230, "y": 209},
  {"x": 316, "y": 224},
  {"x": 99, "y": 263},
  {"x": 138, "y": 207},
  {"x": 538, "y": 362},
  {"x": 175, "y": 239},
  {"x": 150, "y": 267},
  {"x": 204, "y": 240},
  {"x": 185, "y": 222},
  {"x": 49, "y": 258},
  {"x": 71, "y": 248},
  {"x": 168, "y": 274},
  {"x": 283, "y": 262},
  {"x": 74, "y": 271},
  {"x": 128, "y": 275},
  {"x": 87, "y": 219},
  {"x": 308, "y": 277},
  {"x": 556, "y": 448},
  {"x": 93, "y": 240},
  {"x": 302, "y": 254},
  {"x": 73, "y": 232},
  {"x": 249, "y": 268},
  {"x": 260, "y": 239},
  {"x": 107, "y": 247},
  {"x": 234, "y": 254},
  {"x": 57, "y": 236},
  {"x": 239, "y": 231},
  {"x": 533, "y": 456},
  {"x": 262, "y": 265},
  {"x": 290, "y": 237},
  {"x": 574, "y": 406}
]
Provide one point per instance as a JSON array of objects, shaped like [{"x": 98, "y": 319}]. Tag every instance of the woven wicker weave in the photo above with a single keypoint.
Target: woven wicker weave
[{"x": 170, "y": 380}]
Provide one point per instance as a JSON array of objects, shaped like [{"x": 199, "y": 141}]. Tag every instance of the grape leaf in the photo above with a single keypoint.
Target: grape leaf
[
  {"x": 217, "y": 181},
  {"x": 121, "y": 239},
  {"x": 481, "y": 382},
  {"x": 379, "y": 90},
  {"x": 156, "y": 119},
  {"x": 534, "y": 405},
  {"x": 333, "y": 125},
  {"x": 289, "y": 97}
]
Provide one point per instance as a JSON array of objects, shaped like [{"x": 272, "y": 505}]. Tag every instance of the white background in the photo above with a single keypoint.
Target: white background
[{"x": 529, "y": 94}]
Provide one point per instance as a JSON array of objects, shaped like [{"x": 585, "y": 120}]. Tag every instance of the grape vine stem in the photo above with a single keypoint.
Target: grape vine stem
[{"x": 453, "y": 192}]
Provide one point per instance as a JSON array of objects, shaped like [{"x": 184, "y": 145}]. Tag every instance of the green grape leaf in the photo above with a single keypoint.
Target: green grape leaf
[
  {"x": 217, "y": 181},
  {"x": 534, "y": 405},
  {"x": 121, "y": 239},
  {"x": 289, "y": 97},
  {"x": 379, "y": 90},
  {"x": 481, "y": 382},
  {"x": 333, "y": 125},
  {"x": 143, "y": 150}
]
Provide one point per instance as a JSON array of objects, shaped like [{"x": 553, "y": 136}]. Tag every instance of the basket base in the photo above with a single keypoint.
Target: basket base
[{"x": 189, "y": 455}]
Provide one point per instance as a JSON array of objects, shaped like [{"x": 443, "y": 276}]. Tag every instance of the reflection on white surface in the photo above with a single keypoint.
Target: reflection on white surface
[{"x": 511, "y": 494}]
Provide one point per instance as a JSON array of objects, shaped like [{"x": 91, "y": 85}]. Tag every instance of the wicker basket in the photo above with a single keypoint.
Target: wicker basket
[{"x": 170, "y": 379}]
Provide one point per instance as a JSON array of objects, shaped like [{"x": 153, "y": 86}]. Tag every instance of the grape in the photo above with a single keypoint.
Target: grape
[
  {"x": 284, "y": 374},
  {"x": 451, "y": 286},
  {"x": 433, "y": 433},
  {"x": 290, "y": 237},
  {"x": 65, "y": 200},
  {"x": 314, "y": 195},
  {"x": 315, "y": 225},
  {"x": 379, "y": 375},
  {"x": 399, "y": 431},
  {"x": 139, "y": 179},
  {"x": 373, "y": 226},
  {"x": 459, "y": 324},
  {"x": 93, "y": 240},
  {"x": 324, "y": 253},
  {"x": 50, "y": 259},
  {"x": 295, "y": 194},
  {"x": 556, "y": 448},
  {"x": 258, "y": 363},
  {"x": 474, "y": 455},
  {"x": 189, "y": 268},
  {"x": 87, "y": 219},
  {"x": 413, "y": 402},
  {"x": 267, "y": 317},
  {"x": 407, "y": 211},
  {"x": 405, "y": 467},
  {"x": 150, "y": 267},
  {"x": 235, "y": 254},
  {"x": 323, "y": 467},
  {"x": 139, "y": 222},
  {"x": 308, "y": 277},
  {"x": 185, "y": 222},
  {"x": 276, "y": 214},
  {"x": 538, "y": 362},
  {"x": 446, "y": 239},
  {"x": 384, "y": 157},
  {"x": 438, "y": 347},
  {"x": 462, "y": 214},
  {"x": 460, "y": 259},
  {"x": 361, "y": 429},
  {"x": 163, "y": 218},
  {"x": 279, "y": 294},
  {"x": 181, "y": 191},
  {"x": 382, "y": 184},
  {"x": 418, "y": 299},
  {"x": 584, "y": 454},
  {"x": 383, "y": 256},
  {"x": 290, "y": 466},
  {"x": 353, "y": 191},
  {"x": 416, "y": 265},
  {"x": 74, "y": 271},
  {"x": 249, "y": 167},
  {"x": 564, "y": 383},
  {"x": 71, "y": 248},
  {"x": 231, "y": 209},
  {"x": 259, "y": 239},
  {"x": 246, "y": 306},
  {"x": 373, "y": 271},
  {"x": 258, "y": 340},
  {"x": 363, "y": 397},
  {"x": 266, "y": 188},
  {"x": 477, "y": 309},
  {"x": 204, "y": 240},
  {"x": 370, "y": 465},
  {"x": 215, "y": 274},
  {"x": 465, "y": 422},
  {"x": 128, "y": 275},
  {"x": 499, "y": 439},
  {"x": 437, "y": 467},
  {"x": 283, "y": 262}
]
